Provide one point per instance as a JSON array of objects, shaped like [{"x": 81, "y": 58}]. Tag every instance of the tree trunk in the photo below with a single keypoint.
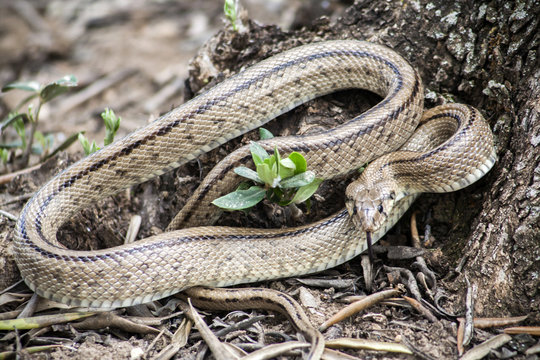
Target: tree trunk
[{"x": 484, "y": 54}]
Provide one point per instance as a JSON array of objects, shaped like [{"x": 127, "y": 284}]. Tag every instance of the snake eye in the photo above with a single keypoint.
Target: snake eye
[{"x": 380, "y": 208}]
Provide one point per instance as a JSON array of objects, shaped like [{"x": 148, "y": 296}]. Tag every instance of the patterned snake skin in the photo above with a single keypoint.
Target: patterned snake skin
[{"x": 219, "y": 256}]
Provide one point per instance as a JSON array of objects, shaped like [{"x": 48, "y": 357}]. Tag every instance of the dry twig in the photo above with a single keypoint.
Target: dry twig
[
  {"x": 358, "y": 306},
  {"x": 479, "y": 351}
]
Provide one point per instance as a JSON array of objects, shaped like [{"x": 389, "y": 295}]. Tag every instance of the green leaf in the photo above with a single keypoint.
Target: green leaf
[
  {"x": 258, "y": 153},
  {"x": 299, "y": 161},
  {"x": 67, "y": 143},
  {"x": 362, "y": 168},
  {"x": 11, "y": 145},
  {"x": 44, "y": 142},
  {"x": 88, "y": 147},
  {"x": 275, "y": 194},
  {"x": 19, "y": 128},
  {"x": 265, "y": 173},
  {"x": 248, "y": 173},
  {"x": 264, "y": 134},
  {"x": 112, "y": 124},
  {"x": 286, "y": 168},
  {"x": 297, "y": 181},
  {"x": 288, "y": 163},
  {"x": 308, "y": 205},
  {"x": 277, "y": 161},
  {"x": 256, "y": 159},
  {"x": 11, "y": 119},
  {"x": 270, "y": 161},
  {"x": 306, "y": 191},
  {"x": 244, "y": 186},
  {"x": 32, "y": 86},
  {"x": 230, "y": 8},
  {"x": 52, "y": 90},
  {"x": 67, "y": 80},
  {"x": 241, "y": 199},
  {"x": 4, "y": 154},
  {"x": 18, "y": 144}
]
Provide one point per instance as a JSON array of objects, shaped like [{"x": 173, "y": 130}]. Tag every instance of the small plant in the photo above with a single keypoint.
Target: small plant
[
  {"x": 281, "y": 180},
  {"x": 230, "y": 8},
  {"x": 112, "y": 123},
  {"x": 4, "y": 155},
  {"x": 88, "y": 147},
  {"x": 44, "y": 93}
]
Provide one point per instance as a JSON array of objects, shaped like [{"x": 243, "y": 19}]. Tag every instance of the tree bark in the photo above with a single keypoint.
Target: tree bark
[{"x": 484, "y": 54}]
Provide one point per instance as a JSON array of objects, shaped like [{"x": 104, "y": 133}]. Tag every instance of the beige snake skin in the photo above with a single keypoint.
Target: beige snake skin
[{"x": 219, "y": 256}]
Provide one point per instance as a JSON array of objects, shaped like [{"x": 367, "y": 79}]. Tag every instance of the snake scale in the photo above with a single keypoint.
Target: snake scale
[{"x": 161, "y": 265}]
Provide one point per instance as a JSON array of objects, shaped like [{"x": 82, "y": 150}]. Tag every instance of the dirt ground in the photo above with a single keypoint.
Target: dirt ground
[{"x": 151, "y": 56}]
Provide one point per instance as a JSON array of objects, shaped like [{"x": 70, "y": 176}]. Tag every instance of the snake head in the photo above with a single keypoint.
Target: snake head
[{"x": 369, "y": 206}]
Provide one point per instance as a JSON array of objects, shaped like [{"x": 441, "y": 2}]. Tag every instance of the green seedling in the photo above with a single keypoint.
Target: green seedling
[
  {"x": 112, "y": 124},
  {"x": 18, "y": 120},
  {"x": 281, "y": 180},
  {"x": 230, "y": 8}
]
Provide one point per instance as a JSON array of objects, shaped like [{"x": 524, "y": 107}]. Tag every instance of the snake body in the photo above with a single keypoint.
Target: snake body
[{"x": 220, "y": 256}]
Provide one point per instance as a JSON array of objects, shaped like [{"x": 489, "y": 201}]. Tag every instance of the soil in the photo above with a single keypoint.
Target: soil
[{"x": 187, "y": 47}]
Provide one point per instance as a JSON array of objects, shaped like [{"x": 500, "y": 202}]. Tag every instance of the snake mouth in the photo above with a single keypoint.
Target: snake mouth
[
  {"x": 361, "y": 216},
  {"x": 368, "y": 220}
]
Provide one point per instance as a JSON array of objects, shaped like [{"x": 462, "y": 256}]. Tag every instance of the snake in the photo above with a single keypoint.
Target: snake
[{"x": 217, "y": 256}]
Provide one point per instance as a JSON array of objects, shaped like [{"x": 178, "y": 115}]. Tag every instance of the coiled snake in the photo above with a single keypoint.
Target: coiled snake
[{"x": 219, "y": 256}]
